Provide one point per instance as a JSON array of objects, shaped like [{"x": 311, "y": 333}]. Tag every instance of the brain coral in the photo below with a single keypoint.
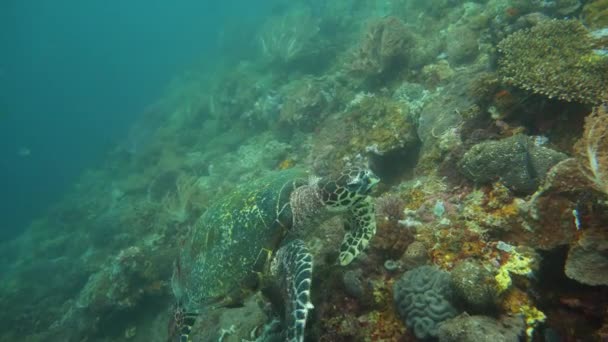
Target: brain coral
[
  {"x": 555, "y": 58},
  {"x": 422, "y": 298}
]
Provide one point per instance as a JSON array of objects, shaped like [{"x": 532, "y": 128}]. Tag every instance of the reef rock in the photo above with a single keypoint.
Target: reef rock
[
  {"x": 232, "y": 324},
  {"x": 465, "y": 328},
  {"x": 415, "y": 255},
  {"x": 517, "y": 161},
  {"x": 357, "y": 286}
]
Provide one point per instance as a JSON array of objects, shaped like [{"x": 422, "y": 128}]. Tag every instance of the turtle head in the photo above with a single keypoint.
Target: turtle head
[
  {"x": 360, "y": 181},
  {"x": 348, "y": 187}
]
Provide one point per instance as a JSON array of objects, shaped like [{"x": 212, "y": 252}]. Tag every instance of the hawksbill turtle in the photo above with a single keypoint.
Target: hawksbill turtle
[{"x": 251, "y": 238}]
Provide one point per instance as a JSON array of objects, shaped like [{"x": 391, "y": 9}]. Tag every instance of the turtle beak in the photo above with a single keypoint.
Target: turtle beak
[{"x": 373, "y": 180}]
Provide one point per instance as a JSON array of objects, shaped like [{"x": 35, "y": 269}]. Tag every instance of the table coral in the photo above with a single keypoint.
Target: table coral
[
  {"x": 587, "y": 260},
  {"x": 555, "y": 58}
]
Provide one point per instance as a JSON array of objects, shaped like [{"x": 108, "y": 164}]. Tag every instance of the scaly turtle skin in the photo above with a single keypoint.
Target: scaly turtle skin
[{"x": 248, "y": 239}]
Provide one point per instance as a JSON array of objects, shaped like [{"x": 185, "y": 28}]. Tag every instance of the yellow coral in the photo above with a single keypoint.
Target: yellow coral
[
  {"x": 533, "y": 316},
  {"x": 517, "y": 302},
  {"x": 517, "y": 264},
  {"x": 286, "y": 164}
]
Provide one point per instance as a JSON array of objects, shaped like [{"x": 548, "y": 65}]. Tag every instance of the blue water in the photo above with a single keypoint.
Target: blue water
[{"x": 74, "y": 75}]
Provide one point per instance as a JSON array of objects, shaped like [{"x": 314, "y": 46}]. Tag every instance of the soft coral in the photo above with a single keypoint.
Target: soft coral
[{"x": 592, "y": 149}]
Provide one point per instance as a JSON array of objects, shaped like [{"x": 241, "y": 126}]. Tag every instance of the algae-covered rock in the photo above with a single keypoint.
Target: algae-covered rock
[
  {"x": 466, "y": 328},
  {"x": 461, "y": 44},
  {"x": 386, "y": 44},
  {"x": 516, "y": 161},
  {"x": 472, "y": 283},
  {"x": 371, "y": 124},
  {"x": 357, "y": 285},
  {"x": 306, "y": 102},
  {"x": 231, "y": 324},
  {"x": 448, "y": 107},
  {"x": 415, "y": 255},
  {"x": 555, "y": 58},
  {"x": 587, "y": 260}
]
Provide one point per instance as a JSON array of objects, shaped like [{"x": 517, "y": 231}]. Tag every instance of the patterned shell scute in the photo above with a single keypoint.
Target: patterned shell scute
[{"x": 225, "y": 244}]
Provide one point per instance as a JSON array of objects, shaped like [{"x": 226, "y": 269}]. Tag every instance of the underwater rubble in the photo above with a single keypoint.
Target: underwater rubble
[{"x": 484, "y": 120}]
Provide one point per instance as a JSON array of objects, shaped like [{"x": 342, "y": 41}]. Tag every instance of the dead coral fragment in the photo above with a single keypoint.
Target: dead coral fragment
[
  {"x": 555, "y": 58},
  {"x": 592, "y": 149}
]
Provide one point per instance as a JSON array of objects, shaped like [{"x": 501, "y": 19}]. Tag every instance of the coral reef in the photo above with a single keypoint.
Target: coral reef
[{"x": 476, "y": 117}]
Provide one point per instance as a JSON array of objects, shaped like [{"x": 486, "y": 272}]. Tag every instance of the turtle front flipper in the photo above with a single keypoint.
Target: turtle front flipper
[
  {"x": 362, "y": 222},
  {"x": 293, "y": 264},
  {"x": 184, "y": 323}
]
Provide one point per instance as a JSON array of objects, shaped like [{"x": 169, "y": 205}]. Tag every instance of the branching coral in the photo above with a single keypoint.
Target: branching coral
[
  {"x": 592, "y": 149},
  {"x": 555, "y": 58},
  {"x": 595, "y": 13}
]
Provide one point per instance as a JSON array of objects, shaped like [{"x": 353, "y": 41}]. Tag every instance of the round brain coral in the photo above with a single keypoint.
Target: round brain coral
[
  {"x": 422, "y": 297},
  {"x": 555, "y": 58}
]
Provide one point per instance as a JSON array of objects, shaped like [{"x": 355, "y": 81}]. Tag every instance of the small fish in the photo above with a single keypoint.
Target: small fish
[
  {"x": 24, "y": 151},
  {"x": 529, "y": 165}
]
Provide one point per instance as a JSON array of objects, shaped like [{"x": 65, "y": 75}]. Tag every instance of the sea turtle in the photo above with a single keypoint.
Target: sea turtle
[{"x": 251, "y": 238}]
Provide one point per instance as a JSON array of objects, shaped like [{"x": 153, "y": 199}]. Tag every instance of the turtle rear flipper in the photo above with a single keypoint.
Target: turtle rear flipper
[
  {"x": 294, "y": 267},
  {"x": 362, "y": 227}
]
